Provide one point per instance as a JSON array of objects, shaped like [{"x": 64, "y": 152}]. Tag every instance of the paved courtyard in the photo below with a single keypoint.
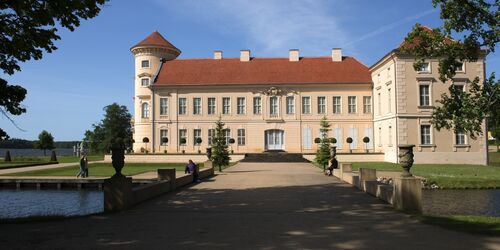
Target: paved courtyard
[{"x": 249, "y": 206}]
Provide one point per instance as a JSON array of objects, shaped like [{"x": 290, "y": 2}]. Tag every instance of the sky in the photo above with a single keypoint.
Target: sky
[{"x": 93, "y": 66}]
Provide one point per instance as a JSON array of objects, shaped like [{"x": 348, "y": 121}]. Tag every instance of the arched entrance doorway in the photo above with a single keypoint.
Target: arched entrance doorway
[{"x": 274, "y": 139}]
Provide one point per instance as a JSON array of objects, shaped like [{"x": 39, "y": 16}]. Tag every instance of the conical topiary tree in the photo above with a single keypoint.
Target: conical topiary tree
[
  {"x": 220, "y": 154},
  {"x": 53, "y": 156},
  {"x": 323, "y": 151},
  {"x": 7, "y": 156}
]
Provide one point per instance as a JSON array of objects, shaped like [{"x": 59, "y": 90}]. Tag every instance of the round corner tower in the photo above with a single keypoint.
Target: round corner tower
[{"x": 148, "y": 55}]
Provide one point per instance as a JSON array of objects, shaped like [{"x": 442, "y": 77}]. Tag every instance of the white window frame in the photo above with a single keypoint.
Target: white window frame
[
  {"x": 427, "y": 69},
  {"x": 290, "y": 105},
  {"x": 163, "y": 134},
  {"x": 210, "y": 134},
  {"x": 274, "y": 106},
  {"x": 182, "y": 106},
  {"x": 183, "y": 134},
  {"x": 422, "y": 135},
  {"x": 227, "y": 135},
  {"x": 211, "y": 107},
  {"x": 389, "y": 100},
  {"x": 429, "y": 99},
  {"x": 367, "y": 105},
  {"x": 196, "y": 134},
  {"x": 226, "y": 107},
  {"x": 306, "y": 107},
  {"x": 197, "y": 108},
  {"x": 148, "y": 64},
  {"x": 350, "y": 105},
  {"x": 147, "y": 79},
  {"x": 337, "y": 107},
  {"x": 257, "y": 105},
  {"x": 241, "y": 137},
  {"x": 321, "y": 106},
  {"x": 379, "y": 103},
  {"x": 465, "y": 139},
  {"x": 145, "y": 110},
  {"x": 163, "y": 106},
  {"x": 462, "y": 70},
  {"x": 241, "y": 107}
]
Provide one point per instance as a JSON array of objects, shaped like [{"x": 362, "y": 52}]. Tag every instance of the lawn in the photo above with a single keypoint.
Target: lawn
[
  {"x": 104, "y": 169},
  {"x": 34, "y": 160},
  {"x": 494, "y": 159},
  {"x": 466, "y": 223}
]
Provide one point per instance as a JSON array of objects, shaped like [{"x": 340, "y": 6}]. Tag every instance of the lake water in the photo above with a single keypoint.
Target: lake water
[
  {"x": 464, "y": 202},
  {"x": 34, "y": 152},
  {"x": 24, "y": 203}
]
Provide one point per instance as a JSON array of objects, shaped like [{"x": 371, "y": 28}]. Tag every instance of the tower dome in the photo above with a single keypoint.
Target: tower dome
[{"x": 157, "y": 42}]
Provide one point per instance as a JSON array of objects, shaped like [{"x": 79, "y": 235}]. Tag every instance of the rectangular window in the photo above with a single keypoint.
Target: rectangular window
[
  {"x": 144, "y": 82},
  {"x": 182, "y": 106},
  {"x": 306, "y": 138},
  {"x": 226, "y": 105},
  {"x": 227, "y": 135},
  {"x": 196, "y": 135},
  {"x": 337, "y": 134},
  {"x": 351, "y": 104},
  {"x": 460, "y": 68},
  {"x": 321, "y": 105},
  {"x": 460, "y": 138},
  {"x": 197, "y": 106},
  {"x": 163, "y": 136},
  {"x": 182, "y": 137},
  {"x": 257, "y": 106},
  {"x": 425, "y": 134},
  {"x": 306, "y": 105},
  {"x": 211, "y": 134},
  {"x": 273, "y": 105},
  {"x": 241, "y": 137},
  {"x": 390, "y": 136},
  {"x": 389, "y": 104},
  {"x": 424, "y": 95},
  {"x": 211, "y": 105},
  {"x": 425, "y": 67},
  {"x": 380, "y": 137},
  {"x": 367, "y": 104},
  {"x": 290, "y": 105},
  {"x": 163, "y": 106},
  {"x": 379, "y": 102},
  {"x": 145, "y": 63},
  {"x": 240, "y": 104},
  {"x": 337, "y": 105}
]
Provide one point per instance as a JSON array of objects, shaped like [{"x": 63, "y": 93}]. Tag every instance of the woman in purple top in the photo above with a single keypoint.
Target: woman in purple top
[{"x": 191, "y": 168}]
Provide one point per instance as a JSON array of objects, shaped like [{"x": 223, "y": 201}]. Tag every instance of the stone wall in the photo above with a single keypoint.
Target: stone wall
[{"x": 169, "y": 158}]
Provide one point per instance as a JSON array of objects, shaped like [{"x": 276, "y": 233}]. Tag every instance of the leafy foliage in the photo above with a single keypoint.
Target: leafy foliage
[
  {"x": 478, "y": 23},
  {"x": 115, "y": 125},
  {"x": 27, "y": 29},
  {"x": 45, "y": 141},
  {"x": 323, "y": 151},
  {"x": 220, "y": 153}
]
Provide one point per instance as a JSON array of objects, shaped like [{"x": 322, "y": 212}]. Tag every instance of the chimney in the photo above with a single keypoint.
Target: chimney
[
  {"x": 337, "y": 55},
  {"x": 245, "y": 55},
  {"x": 218, "y": 54},
  {"x": 293, "y": 55}
]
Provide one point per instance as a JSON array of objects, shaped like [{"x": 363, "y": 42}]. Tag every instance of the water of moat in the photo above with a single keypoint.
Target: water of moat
[{"x": 24, "y": 203}]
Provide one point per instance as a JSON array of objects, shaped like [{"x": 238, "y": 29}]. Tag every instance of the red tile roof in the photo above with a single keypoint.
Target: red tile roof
[
  {"x": 230, "y": 71},
  {"x": 156, "y": 39}
]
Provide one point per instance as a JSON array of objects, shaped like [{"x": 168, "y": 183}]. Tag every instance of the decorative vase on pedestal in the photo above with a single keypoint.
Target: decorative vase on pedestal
[
  {"x": 209, "y": 153},
  {"x": 118, "y": 157},
  {"x": 406, "y": 159}
]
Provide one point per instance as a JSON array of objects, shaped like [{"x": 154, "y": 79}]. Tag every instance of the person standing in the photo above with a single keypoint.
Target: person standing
[
  {"x": 86, "y": 167},
  {"x": 82, "y": 168}
]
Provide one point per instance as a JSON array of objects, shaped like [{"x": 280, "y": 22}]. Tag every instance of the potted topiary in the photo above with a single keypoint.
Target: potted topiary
[
  {"x": 164, "y": 141},
  {"x": 198, "y": 142},
  {"x": 231, "y": 142},
  {"x": 317, "y": 140},
  {"x": 145, "y": 140},
  {"x": 349, "y": 140},
  {"x": 366, "y": 140},
  {"x": 183, "y": 143},
  {"x": 332, "y": 140}
]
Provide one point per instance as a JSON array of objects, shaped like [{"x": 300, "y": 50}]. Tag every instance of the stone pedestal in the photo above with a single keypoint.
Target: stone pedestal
[
  {"x": 118, "y": 193},
  {"x": 366, "y": 174},
  {"x": 408, "y": 194},
  {"x": 208, "y": 164},
  {"x": 168, "y": 175}
]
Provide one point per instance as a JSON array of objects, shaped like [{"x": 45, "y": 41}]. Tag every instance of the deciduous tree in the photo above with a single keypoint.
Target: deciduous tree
[{"x": 45, "y": 141}]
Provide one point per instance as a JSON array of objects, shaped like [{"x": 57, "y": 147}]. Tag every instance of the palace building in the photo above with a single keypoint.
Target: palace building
[{"x": 277, "y": 103}]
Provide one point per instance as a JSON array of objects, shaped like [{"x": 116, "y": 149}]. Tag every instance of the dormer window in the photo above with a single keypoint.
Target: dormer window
[
  {"x": 425, "y": 68},
  {"x": 145, "y": 63},
  {"x": 144, "y": 82}
]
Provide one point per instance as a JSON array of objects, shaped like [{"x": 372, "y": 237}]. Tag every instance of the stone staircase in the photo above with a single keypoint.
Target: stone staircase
[{"x": 274, "y": 156}]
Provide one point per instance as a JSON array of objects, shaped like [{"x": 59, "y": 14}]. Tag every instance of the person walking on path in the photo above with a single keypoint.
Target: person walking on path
[
  {"x": 82, "y": 168},
  {"x": 86, "y": 167}
]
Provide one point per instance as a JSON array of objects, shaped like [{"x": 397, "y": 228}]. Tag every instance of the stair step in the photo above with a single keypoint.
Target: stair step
[{"x": 274, "y": 156}]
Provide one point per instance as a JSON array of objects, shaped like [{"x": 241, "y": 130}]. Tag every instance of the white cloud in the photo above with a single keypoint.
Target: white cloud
[{"x": 273, "y": 26}]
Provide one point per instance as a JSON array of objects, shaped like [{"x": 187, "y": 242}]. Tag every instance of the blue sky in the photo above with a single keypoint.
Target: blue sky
[{"x": 93, "y": 66}]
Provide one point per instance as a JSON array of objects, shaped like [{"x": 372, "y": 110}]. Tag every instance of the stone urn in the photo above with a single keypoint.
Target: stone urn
[
  {"x": 406, "y": 159},
  {"x": 209, "y": 153},
  {"x": 118, "y": 157}
]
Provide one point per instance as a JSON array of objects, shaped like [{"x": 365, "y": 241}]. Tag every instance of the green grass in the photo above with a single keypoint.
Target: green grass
[
  {"x": 494, "y": 159},
  {"x": 465, "y": 223},
  {"x": 25, "y": 160},
  {"x": 104, "y": 169},
  {"x": 446, "y": 175}
]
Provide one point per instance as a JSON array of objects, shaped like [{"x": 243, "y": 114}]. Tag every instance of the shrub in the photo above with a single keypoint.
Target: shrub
[
  {"x": 53, "y": 156},
  {"x": 7, "y": 156}
]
